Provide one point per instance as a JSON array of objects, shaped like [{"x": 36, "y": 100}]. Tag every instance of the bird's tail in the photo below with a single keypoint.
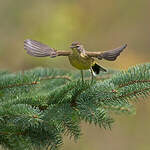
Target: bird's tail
[{"x": 97, "y": 68}]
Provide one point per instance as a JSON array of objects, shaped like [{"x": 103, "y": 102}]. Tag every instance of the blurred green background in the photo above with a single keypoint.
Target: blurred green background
[{"x": 99, "y": 25}]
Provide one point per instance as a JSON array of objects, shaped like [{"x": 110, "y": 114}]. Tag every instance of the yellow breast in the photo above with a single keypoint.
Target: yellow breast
[{"x": 80, "y": 61}]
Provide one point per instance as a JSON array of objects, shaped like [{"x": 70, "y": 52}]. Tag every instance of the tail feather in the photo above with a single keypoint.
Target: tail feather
[
  {"x": 97, "y": 68},
  {"x": 37, "y": 49}
]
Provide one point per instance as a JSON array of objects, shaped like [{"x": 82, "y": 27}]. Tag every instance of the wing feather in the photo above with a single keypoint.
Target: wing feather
[
  {"x": 110, "y": 55},
  {"x": 37, "y": 49}
]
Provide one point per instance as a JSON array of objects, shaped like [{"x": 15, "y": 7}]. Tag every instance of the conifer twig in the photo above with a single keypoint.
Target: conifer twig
[
  {"x": 31, "y": 114},
  {"x": 37, "y": 82}
]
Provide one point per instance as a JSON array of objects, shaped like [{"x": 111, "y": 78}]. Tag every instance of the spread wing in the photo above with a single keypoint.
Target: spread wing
[
  {"x": 110, "y": 55},
  {"x": 37, "y": 49}
]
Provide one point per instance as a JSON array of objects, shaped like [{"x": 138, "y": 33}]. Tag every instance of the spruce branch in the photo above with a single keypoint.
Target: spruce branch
[{"x": 39, "y": 106}]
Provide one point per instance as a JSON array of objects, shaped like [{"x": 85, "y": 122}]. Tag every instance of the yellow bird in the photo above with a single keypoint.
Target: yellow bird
[{"x": 78, "y": 57}]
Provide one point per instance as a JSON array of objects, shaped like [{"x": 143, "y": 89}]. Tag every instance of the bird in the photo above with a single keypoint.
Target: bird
[{"x": 79, "y": 58}]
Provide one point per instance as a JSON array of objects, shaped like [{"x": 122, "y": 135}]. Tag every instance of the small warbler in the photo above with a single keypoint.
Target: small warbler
[{"x": 78, "y": 57}]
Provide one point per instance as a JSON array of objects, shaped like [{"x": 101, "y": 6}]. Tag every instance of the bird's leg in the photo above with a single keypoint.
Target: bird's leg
[
  {"x": 82, "y": 75},
  {"x": 92, "y": 74}
]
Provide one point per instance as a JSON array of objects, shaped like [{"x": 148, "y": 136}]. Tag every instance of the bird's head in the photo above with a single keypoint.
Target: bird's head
[{"x": 77, "y": 46}]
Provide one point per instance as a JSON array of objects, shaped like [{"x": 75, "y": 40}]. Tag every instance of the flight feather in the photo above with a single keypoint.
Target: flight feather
[
  {"x": 110, "y": 55},
  {"x": 37, "y": 49}
]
